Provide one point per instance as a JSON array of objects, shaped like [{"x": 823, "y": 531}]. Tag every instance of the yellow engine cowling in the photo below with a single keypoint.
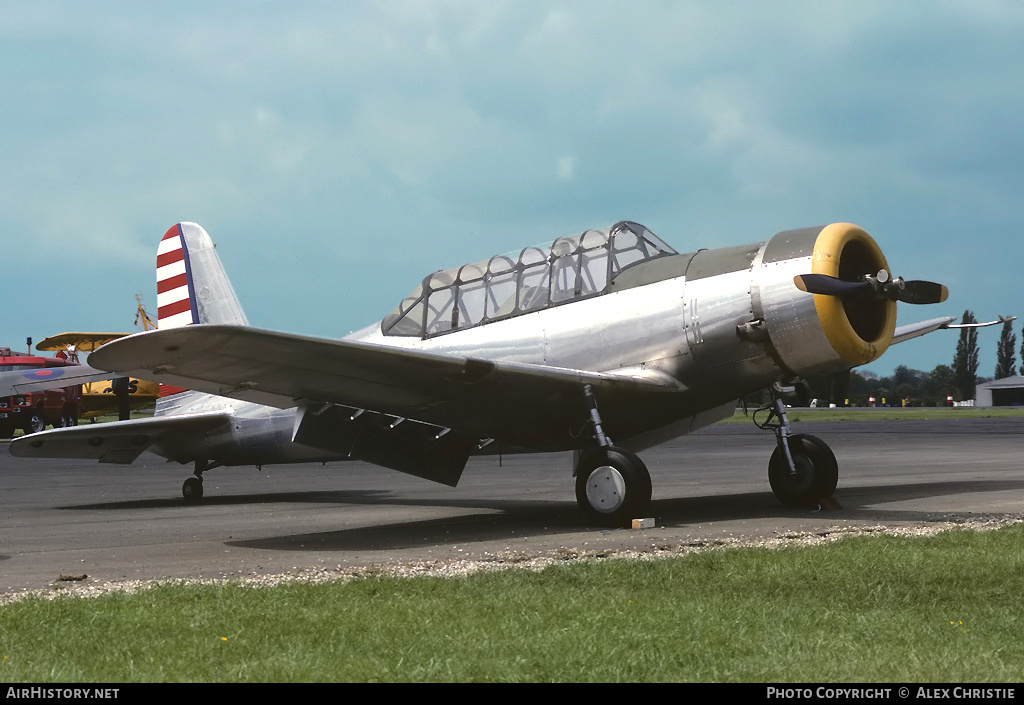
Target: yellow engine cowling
[{"x": 813, "y": 333}]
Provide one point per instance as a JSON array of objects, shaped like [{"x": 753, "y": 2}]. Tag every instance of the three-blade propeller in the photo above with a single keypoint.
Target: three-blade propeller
[{"x": 879, "y": 285}]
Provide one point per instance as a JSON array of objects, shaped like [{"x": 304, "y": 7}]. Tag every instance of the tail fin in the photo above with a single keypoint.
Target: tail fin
[{"x": 191, "y": 286}]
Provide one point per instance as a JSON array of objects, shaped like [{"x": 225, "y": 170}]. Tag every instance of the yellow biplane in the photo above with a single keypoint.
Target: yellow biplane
[{"x": 100, "y": 398}]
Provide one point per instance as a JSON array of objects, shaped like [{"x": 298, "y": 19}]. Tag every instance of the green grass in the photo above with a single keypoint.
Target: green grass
[{"x": 864, "y": 609}]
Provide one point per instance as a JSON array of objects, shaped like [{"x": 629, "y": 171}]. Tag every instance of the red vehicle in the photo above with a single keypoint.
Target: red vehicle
[{"x": 33, "y": 411}]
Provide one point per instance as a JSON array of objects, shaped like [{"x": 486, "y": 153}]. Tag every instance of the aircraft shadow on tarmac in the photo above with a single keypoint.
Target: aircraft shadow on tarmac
[
  {"x": 527, "y": 519},
  {"x": 708, "y": 507},
  {"x": 506, "y": 519},
  {"x": 318, "y": 497},
  {"x": 518, "y": 518}
]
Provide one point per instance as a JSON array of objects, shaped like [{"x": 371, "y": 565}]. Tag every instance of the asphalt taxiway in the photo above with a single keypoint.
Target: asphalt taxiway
[{"x": 115, "y": 523}]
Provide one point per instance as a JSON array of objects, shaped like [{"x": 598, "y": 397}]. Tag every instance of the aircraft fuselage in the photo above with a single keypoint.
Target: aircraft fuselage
[{"x": 719, "y": 323}]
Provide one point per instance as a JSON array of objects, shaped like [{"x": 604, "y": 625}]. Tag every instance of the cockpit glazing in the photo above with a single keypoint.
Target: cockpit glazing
[{"x": 572, "y": 268}]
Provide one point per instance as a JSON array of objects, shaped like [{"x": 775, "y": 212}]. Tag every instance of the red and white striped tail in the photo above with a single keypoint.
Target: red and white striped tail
[
  {"x": 191, "y": 285},
  {"x": 175, "y": 297}
]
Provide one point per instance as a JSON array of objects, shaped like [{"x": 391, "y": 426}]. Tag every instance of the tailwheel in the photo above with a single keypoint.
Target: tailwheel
[
  {"x": 612, "y": 486},
  {"x": 192, "y": 490},
  {"x": 814, "y": 475}
]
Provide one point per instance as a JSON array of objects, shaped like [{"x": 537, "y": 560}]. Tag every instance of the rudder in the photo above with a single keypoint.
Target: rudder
[{"x": 191, "y": 285}]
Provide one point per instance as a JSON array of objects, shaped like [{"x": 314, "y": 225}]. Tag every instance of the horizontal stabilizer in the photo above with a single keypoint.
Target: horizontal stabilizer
[{"x": 114, "y": 442}]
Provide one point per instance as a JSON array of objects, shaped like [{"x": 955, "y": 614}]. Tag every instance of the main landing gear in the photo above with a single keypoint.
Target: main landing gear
[
  {"x": 612, "y": 484},
  {"x": 802, "y": 470}
]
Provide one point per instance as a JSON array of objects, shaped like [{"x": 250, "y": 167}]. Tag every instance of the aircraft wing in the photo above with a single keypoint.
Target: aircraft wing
[
  {"x": 918, "y": 329},
  {"x": 85, "y": 342},
  {"x": 23, "y": 381},
  {"x": 115, "y": 442},
  {"x": 915, "y": 330},
  {"x": 491, "y": 399}
]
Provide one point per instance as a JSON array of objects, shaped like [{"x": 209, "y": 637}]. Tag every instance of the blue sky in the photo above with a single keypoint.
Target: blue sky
[{"x": 339, "y": 151}]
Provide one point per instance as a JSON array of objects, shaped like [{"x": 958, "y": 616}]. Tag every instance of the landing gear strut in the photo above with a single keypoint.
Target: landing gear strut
[
  {"x": 802, "y": 470},
  {"x": 612, "y": 484}
]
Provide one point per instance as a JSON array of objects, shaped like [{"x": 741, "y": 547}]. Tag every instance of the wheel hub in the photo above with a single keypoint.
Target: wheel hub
[
  {"x": 803, "y": 476},
  {"x": 606, "y": 489}
]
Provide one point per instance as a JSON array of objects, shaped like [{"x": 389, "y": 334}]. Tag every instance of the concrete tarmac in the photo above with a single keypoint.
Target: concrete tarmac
[{"x": 117, "y": 523}]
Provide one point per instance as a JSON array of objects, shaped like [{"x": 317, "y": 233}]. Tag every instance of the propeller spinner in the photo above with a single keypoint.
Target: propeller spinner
[{"x": 879, "y": 285}]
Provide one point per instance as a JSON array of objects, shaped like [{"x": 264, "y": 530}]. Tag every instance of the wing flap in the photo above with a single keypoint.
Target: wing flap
[{"x": 115, "y": 442}]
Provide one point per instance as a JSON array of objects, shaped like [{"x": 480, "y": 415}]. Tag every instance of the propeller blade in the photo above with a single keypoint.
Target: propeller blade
[
  {"x": 830, "y": 286},
  {"x": 880, "y": 285},
  {"x": 922, "y": 292}
]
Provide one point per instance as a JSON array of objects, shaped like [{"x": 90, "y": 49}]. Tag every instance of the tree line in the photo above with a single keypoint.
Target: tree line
[{"x": 912, "y": 387}]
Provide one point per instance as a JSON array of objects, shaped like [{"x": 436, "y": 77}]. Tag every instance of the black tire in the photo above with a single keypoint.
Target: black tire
[
  {"x": 613, "y": 486},
  {"x": 817, "y": 472},
  {"x": 67, "y": 418},
  {"x": 6, "y": 429},
  {"x": 35, "y": 422},
  {"x": 192, "y": 490}
]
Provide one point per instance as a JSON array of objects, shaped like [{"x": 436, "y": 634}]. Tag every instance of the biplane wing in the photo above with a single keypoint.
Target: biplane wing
[{"x": 84, "y": 342}]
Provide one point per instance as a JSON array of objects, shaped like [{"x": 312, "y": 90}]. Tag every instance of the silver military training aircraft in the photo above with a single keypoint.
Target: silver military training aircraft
[{"x": 605, "y": 344}]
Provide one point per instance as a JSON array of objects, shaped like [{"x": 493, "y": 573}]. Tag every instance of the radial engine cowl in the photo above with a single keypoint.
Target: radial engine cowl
[{"x": 813, "y": 333}]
